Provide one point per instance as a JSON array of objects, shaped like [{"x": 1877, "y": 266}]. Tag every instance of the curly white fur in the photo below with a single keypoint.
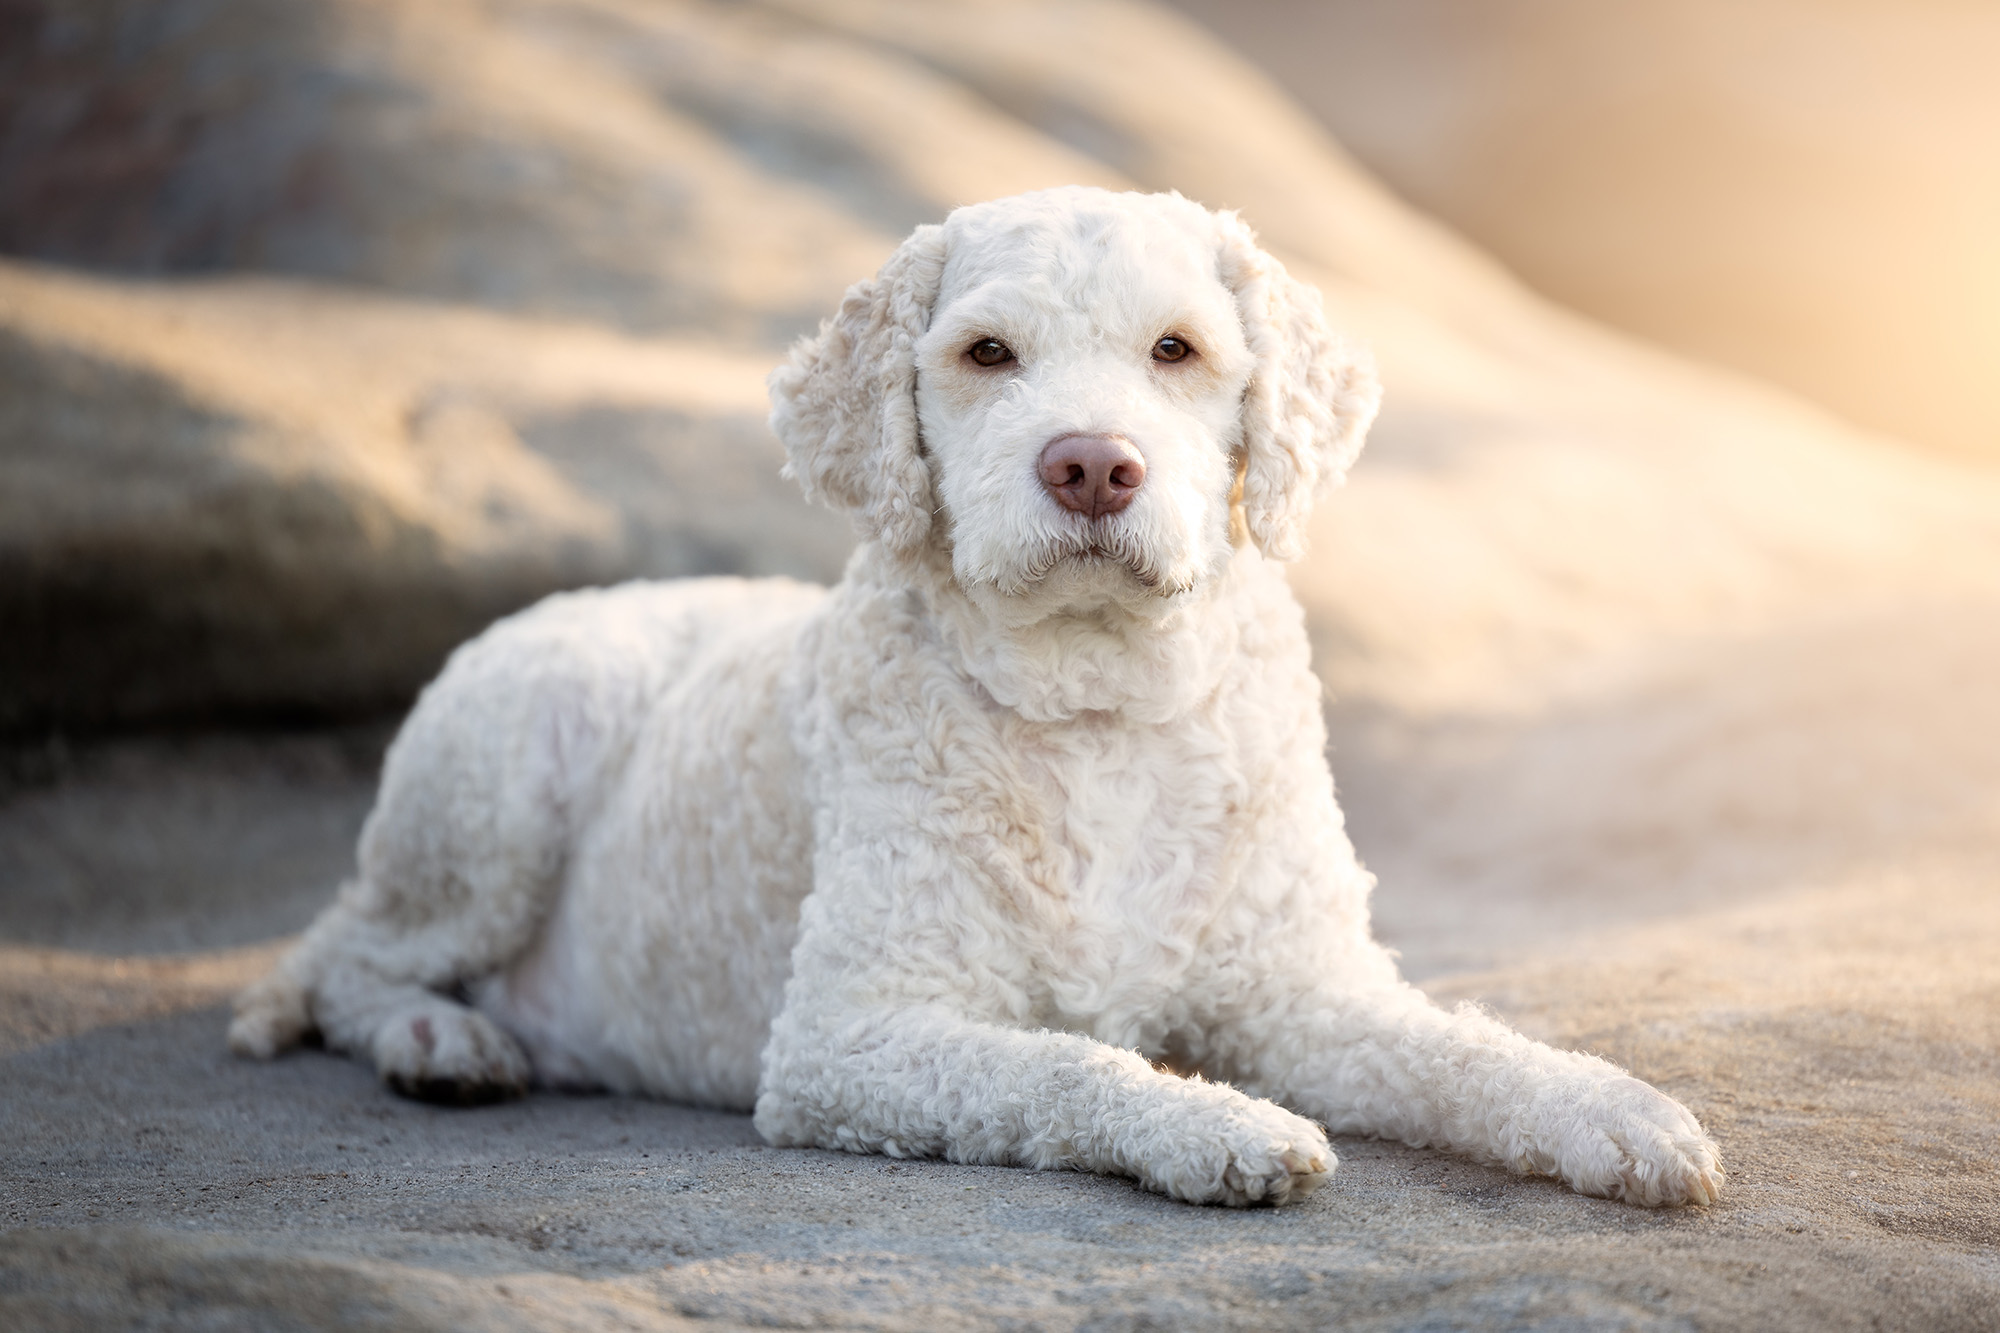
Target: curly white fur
[{"x": 953, "y": 858}]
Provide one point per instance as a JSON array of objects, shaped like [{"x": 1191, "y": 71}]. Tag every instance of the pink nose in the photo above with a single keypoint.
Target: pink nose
[{"x": 1092, "y": 475}]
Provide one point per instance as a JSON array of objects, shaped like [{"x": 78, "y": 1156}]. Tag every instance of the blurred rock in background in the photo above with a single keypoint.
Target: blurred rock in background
[
  {"x": 263, "y": 497},
  {"x": 1804, "y": 189},
  {"x": 336, "y": 329},
  {"x": 518, "y": 269}
]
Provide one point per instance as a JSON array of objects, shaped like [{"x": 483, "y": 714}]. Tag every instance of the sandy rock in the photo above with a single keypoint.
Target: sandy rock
[
  {"x": 239, "y": 497},
  {"x": 720, "y": 169},
  {"x": 1838, "y": 1039},
  {"x": 230, "y": 498},
  {"x": 459, "y": 151},
  {"x": 800, "y": 141}
]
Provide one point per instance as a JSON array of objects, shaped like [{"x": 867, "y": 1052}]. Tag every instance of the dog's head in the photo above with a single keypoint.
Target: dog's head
[{"x": 1078, "y": 394}]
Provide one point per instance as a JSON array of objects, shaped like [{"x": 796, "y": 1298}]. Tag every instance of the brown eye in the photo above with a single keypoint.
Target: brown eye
[
  {"x": 1170, "y": 348},
  {"x": 989, "y": 352}
]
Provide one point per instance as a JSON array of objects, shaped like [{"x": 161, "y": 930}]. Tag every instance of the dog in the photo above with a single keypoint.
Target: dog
[{"x": 1017, "y": 846}]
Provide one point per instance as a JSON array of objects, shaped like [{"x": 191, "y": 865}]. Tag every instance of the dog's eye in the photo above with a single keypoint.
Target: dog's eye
[
  {"x": 990, "y": 352},
  {"x": 1170, "y": 348}
]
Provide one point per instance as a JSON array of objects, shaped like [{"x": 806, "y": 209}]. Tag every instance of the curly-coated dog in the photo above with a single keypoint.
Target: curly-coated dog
[{"x": 961, "y": 857}]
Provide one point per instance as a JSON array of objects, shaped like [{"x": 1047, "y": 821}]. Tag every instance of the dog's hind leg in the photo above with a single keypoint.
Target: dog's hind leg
[
  {"x": 371, "y": 988},
  {"x": 377, "y": 975},
  {"x": 460, "y": 863}
]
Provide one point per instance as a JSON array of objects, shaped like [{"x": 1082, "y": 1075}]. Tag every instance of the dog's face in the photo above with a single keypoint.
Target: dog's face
[
  {"x": 1079, "y": 394},
  {"x": 1069, "y": 392}
]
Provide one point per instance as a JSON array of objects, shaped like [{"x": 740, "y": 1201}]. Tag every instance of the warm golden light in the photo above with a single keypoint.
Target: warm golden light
[{"x": 1660, "y": 618}]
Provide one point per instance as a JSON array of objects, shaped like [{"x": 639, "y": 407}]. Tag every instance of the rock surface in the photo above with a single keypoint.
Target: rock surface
[
  {"x": 535, "y": 257},
  {"x": 517, "y": 326},
  {"x": 250, "y": 495},
  {"x": 1839, "y": 1038}
]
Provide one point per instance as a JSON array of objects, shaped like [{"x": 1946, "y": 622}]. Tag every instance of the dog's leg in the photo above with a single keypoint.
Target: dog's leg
[
  {"x": 376, "y": 976},
  {"x": 923, "y": 1082},
  {"x": 1387, "y": 1062},
  {"x": 374, "y": 992},
  {"x": 459, "y": 863}
]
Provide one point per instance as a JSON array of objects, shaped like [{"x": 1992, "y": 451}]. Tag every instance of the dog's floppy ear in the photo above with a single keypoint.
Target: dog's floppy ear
[
  {"x": 1311, "y": 398},
  {"x": 845, "y": 403}
]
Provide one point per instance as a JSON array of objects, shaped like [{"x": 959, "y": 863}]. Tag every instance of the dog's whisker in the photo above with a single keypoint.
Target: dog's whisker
[{"x": 1116, "y": 546}]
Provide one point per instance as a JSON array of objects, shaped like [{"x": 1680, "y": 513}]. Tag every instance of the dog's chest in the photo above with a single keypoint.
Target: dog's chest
[{"x": 1131, "y": 849}]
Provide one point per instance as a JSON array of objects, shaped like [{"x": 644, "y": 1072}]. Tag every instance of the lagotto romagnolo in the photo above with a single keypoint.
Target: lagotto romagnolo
[{"x": 965, "y": 855}]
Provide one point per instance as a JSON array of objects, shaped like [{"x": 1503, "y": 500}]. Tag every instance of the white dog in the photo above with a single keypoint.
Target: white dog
[{"x": 957, "y": 858}]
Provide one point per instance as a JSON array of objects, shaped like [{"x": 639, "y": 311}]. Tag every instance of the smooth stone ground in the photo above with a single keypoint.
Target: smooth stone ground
[{"x": 1840, "y": 1041}]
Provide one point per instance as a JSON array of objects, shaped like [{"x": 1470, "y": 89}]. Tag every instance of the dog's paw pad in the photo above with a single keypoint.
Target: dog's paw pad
[{"x": 451, "y": 1055}]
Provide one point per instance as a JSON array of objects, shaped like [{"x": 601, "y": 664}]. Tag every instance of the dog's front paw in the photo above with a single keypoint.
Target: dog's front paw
[
  {"x": 1246, "y": 1152},
  {"x": 1275, "y": 1173},
  {"x": 447, "y": 1053},
  {"x": 1626, "y": 1140}
]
